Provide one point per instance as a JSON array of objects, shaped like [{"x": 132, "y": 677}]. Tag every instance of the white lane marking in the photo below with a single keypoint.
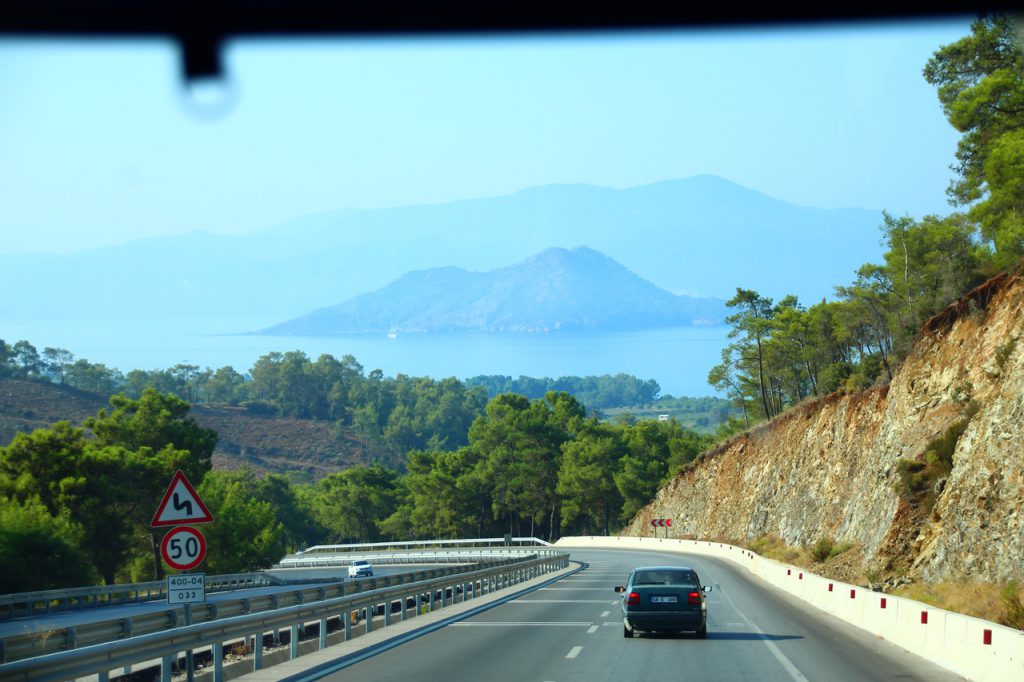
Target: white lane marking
[
  {"x": 515, "y": 624},
  {"x": 574, "y": 652},
  {"x": 558, "y": 601},
  {"x": 604, "y": 614},
  {"x": 781, "y": 657},
  {"x": 592, "y": 629}
]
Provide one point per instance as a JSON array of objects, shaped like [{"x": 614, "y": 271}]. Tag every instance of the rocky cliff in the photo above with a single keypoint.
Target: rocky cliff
[{"x": 833, "y": 467}]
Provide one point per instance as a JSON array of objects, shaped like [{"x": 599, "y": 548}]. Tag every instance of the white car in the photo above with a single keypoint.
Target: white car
[{"x": 360, "y": 568}]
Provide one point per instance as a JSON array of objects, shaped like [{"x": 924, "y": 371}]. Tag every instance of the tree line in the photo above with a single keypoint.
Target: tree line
[
  {"x": 76, "y": 502},
  {"x": 782, "y": 352}
]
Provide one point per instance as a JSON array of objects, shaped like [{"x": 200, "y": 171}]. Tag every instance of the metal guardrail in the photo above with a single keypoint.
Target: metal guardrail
[
  {"x": 166, "y": 644},
  {"x": 49, "y": 601},
  {"x": 323, "y": 558},
  {"x": 40, "y": 642},
  {"x": 420, "y": 544}
]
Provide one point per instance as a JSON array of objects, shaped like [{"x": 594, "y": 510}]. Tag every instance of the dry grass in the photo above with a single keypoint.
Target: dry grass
[{"x": 981, "y": 600}]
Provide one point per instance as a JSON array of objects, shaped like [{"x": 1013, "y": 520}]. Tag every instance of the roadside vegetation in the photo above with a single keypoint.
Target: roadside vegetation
[{"x": 782, "y": 352}]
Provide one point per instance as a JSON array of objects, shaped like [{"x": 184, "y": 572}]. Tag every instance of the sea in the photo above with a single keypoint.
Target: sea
[{"x": 677, "y": 358}]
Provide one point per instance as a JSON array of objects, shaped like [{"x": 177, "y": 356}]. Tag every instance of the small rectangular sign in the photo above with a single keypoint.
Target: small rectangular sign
[{"x": 186, "y": 588}]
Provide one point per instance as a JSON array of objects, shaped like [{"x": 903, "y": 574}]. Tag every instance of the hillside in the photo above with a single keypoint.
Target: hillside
[
  {"x": 302, "y": 449},
  {"x": 838, "y": 466},
  {"x": 555, "y": 290}
]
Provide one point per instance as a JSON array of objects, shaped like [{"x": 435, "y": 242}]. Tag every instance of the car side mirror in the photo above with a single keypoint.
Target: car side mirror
[
  {"x": 620, "y": 588},
  {"x": 707, "y": 588}
]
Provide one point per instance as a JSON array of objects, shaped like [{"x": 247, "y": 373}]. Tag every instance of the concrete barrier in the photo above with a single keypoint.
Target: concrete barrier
[{"x": 977, "y": 649}]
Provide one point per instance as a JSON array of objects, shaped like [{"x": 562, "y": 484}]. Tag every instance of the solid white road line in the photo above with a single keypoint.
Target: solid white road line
[{"x": 787, "y": 664}]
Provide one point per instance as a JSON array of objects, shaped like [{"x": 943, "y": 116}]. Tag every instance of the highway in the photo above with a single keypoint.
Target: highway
[{"x": 572, "y": 631}]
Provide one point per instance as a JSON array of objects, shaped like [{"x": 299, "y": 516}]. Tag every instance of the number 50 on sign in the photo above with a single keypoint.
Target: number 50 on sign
[{"x": 183, "y": 548}]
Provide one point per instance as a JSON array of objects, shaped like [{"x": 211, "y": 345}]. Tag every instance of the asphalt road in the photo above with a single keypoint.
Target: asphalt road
[{"x": 572, "y": 631}]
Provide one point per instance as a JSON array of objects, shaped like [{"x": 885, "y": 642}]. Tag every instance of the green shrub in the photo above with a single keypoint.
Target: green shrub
[
  {"x": 913, "y": 478},
  {"x": 821, "y": 549},
  {"x": 1004, "y": 352},
  {"x": 839, "y": 549}
]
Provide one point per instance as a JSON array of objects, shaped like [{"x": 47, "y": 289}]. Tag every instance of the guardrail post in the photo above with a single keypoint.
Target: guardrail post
[
  {"x": 166, "y": 665},
  {"x": 369, "y": 619},
  {"x": 387, "y": 613},
  {"x": 419, "y": 603},
  {"x": 257, "y": 651},
  {"x": 405, "y": 607},
  {"x": 103, "y": 676},
  {"x": 218, "y": 661},
  {"x": 293, "y": 644},
  {"x": 346, "y": 624},
  {"x": 70, "y": 638},
  {"x": 433, "y": 594},
  {"x": 323, "y": 633}
]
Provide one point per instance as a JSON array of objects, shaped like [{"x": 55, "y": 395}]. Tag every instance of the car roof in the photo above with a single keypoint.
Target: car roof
[{"x": 662, "y": 568}]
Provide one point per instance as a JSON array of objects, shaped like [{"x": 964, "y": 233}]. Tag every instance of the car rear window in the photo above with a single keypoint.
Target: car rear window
[{"x": 665, "y": 577}]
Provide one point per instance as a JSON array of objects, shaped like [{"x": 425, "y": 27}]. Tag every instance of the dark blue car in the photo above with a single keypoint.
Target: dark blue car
[{"x": 664, "y": 599}]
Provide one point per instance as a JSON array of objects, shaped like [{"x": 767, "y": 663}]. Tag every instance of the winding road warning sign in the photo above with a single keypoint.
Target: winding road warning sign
[{"x": 181, "y": 504}]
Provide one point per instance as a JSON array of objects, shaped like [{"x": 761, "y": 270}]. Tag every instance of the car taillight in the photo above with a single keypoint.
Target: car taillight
[
  {"x": 633, "y": 599},
  {"x": 694, "y": 598}
]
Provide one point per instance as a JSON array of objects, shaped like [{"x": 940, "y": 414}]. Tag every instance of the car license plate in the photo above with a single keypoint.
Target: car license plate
[{"x": 663, "y": 600}]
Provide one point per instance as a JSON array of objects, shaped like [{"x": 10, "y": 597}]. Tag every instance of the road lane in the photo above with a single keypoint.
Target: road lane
[{"x": 572, "y": 631}]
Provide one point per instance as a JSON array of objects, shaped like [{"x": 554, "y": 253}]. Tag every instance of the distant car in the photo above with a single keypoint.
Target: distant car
[
  {"x": 360, "y": 568},
  {"x": 664, "y": 599}
]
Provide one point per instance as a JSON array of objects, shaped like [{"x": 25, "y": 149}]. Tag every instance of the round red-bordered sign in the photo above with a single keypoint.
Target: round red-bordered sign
[{"x": 183, "y": 548}]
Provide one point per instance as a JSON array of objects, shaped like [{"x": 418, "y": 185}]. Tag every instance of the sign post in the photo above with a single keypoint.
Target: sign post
[{"x": 183, "y": 548}]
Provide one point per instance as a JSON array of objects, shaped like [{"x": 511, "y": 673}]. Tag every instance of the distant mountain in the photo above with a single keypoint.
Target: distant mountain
[
  {"x": 556, "y": 290},
  {"x": 702, "y": 235}
]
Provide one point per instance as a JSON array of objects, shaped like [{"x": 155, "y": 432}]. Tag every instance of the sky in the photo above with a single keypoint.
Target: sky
[{"x": 101, "y": 143}]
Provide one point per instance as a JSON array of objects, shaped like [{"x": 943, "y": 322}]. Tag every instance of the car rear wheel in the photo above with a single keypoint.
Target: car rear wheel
[
  {"x": 702, "y": 633},
  {"x": 627, "y": 632}
]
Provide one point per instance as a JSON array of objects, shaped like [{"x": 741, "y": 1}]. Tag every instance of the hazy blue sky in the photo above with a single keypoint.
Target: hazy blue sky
[{"x": 99, "y": 145}]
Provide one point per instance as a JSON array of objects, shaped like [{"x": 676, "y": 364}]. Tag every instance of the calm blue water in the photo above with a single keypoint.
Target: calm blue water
[{"x": 678, "y": 359}]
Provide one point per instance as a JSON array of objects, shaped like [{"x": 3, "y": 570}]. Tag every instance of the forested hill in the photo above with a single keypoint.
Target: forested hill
[
  {"x": 555, "y": 290},
  {"x": 303, "y": 449}
]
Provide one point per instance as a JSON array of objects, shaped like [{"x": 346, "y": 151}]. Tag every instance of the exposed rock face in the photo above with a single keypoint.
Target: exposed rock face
[{"x": 830, "y": 467}]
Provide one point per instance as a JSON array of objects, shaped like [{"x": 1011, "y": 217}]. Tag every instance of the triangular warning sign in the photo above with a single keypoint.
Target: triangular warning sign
[{"x": 181, "y": 504}]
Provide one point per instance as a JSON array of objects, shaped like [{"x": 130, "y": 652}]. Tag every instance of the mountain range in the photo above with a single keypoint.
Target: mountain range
[
  {"x": 702, "y": 235},
  {"x": 555, "y": 290}
]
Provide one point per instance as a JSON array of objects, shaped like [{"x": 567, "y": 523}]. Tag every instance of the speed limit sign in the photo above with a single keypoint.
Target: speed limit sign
[{"x": 183, "y": 548}]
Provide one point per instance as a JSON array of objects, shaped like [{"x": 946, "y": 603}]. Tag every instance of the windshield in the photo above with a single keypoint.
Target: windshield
[{"x": 457, "y": 286}]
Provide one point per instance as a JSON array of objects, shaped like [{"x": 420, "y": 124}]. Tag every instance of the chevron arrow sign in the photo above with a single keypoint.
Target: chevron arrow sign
[{"x": 661, "y": 522}]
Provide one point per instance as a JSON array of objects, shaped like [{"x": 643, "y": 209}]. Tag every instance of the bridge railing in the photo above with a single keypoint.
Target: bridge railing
[
  {"x": 378, "y": 604},
  {"x": 424, "y": 544},
  {"x": 41, "y": 641},
  {"x": 324, "y": 557},
  {"x": 48, "y": 601}
]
